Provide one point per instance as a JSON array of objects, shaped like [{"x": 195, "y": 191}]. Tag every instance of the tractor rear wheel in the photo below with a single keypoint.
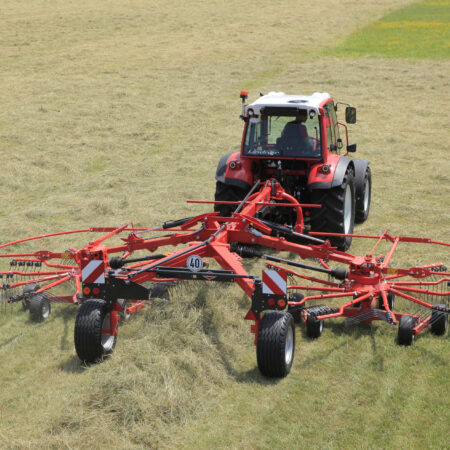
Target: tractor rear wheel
[
  {"x": 275, "y": 344},
  {"x": 405, "y": 330},
  {"x": 439, "y": 322},
  {"x": 39, "y": 307},
  {"x": 227, "y": 193},
  {"x": 363, "y": 197},
  {"x": 93, "y": 337},
  {"x": 337, "y": 214}
]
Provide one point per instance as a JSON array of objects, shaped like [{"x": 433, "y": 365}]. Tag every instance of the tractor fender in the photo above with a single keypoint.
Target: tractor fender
[
  {"x": 335, "y": 177},
  {"x": 234, "y": 171}
]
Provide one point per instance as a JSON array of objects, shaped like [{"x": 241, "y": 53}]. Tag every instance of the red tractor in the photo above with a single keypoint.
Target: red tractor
[{"x": 296, "y": 139}]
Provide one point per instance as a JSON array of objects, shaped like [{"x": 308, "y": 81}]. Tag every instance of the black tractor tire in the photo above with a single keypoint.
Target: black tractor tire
[
  {"x": 27, "y": 291},
  {"x": 91, "y": 344},
  {"x": 363, "y": 198},
  {"x": 227, "y": 193},
  {"x": 40, "y": 307},
  {"x": 391, "y": 301},
  {"x": 405, "y": 330},
  {"x": 337, "y": 214},
  {"x": 275, "y": 344},
  {"x": 314, "y": 327},
  {"x": 439, "y": 321}
]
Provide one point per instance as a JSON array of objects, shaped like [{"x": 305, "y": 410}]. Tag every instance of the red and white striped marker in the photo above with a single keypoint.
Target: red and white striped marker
[
  {"x": 274, "y": 282},
  {"x": 93, "y": 271}
]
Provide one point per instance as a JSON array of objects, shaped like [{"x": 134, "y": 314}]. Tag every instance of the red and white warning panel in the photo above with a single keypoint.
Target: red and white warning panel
[
  {"x": 93, "y": 271},
  {"x": 274, "y": 282}
]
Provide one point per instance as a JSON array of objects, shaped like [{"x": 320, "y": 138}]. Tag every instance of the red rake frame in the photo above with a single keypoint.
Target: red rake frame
[{"x": 118, "y": 281}]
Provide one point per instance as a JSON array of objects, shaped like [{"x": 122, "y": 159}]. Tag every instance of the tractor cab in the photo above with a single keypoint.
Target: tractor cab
[{"x": 292, "y": 126}]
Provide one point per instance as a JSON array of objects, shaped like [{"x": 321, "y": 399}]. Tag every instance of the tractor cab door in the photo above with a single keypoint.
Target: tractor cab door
[{"x": 331, "y": 125}]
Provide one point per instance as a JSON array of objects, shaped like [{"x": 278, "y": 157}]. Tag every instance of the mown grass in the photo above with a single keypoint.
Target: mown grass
[
  {"x": 419, "y": 30},
  {"x": 120, "y": 112}
]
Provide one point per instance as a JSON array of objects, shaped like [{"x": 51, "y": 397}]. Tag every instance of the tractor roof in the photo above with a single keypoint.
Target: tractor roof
[{"x": 282, "y": 100}]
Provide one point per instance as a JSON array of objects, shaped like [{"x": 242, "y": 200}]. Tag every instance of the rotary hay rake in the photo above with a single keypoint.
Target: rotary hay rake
[{"x": 108, "y": 281}]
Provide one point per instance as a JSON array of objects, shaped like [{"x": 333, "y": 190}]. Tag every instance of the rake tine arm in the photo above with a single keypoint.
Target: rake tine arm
[
  {"x": 38, "y": 280},
  {"x": 386, "y": 306},
  {"x": 388, "y": 256},
  {"x": 410, "y": 298},
  {"x": 107, "y": 236},
  {"x": 56, "y": 283},
  {"x": 306, "y": 277},
  {"x": 341, "y": 308},
  {"x": 42, "y": 236},
  {"x": 421, "y": 283},
  {"x": 422, "y": 291},
  {"x": 34, "y": 274}
]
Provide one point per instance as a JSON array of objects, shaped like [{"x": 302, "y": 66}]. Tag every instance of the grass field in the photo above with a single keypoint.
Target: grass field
[{"x": 120, "y": 111}]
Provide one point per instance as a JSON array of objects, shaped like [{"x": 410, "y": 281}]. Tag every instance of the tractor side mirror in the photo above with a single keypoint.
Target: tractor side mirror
[
  {"x": 351, "y": 148},
  {"x": 350, "y": 114}
]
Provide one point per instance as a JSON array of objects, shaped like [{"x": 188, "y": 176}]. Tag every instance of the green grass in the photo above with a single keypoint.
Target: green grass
[
  {"x": 119, "y": 112},
  {"x": 420, "y": 30}
]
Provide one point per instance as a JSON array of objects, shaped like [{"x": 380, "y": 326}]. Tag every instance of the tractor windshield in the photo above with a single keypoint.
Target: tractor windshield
[{"x": 293, "y": 136}]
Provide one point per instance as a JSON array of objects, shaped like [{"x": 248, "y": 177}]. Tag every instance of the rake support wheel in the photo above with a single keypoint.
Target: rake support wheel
[
  {"x": 39, "y": 307},
  {"x": 276, "y": 344},
  {"x": 92, "y": 341},
  {"x": 27, "y": 291},
  {"x": 405, "y": 330},
  {"x": 439, "y": 322}
]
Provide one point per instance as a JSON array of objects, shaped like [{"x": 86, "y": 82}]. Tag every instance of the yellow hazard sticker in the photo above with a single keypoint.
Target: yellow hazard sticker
[
  {"x": 391, "y": 271},
  {"x": 66, "y": 255}
]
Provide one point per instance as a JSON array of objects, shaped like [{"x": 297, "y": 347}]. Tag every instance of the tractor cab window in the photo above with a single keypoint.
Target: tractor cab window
[
  {"x": 291, "y": 136},
  {"x": 331, "y": 125}
]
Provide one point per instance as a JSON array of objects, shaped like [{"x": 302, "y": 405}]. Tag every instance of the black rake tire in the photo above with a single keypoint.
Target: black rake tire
[
  {"x": 314, "y": 327},
  {"x": 275, "y": 344},
  {"x": 39, "y": 307},
  {"x": 405, "y": 330},
  {"x": 27, "y": 290},
  {"x": 391, "y": 301},
  {"x": 439, "y": 322},
  {"x": 227, "y": 193},
  {"x": 363, "y": 198},
  {"x": 90, "y": 344},
  {"x": 337, "y": 214}
]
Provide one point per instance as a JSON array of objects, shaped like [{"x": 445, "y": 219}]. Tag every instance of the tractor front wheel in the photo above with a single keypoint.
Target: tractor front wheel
[
  {"x": 337, "y": 214},
  {"x": 275, "y": 344},
  {"x": 39, "y": 307},
  {"x": 94, "y": 338},
  {"x": 227, "y": 193},
  {"x": 363, "y": 197},
  {"x": 439, "y": 321}
]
